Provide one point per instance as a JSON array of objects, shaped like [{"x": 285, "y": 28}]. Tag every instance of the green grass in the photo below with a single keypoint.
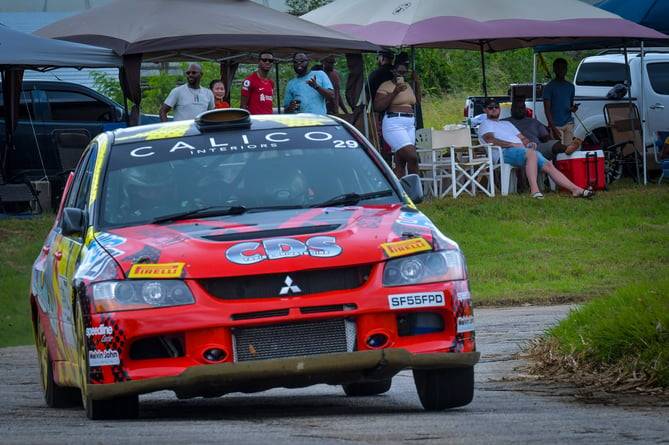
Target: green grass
[
  {"x": 622, "y": 338},
  {"x": 521, "y": 250},
  {"x": 20, "y": 242}
]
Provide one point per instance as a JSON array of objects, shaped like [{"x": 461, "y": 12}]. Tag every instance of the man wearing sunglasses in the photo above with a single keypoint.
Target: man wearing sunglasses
[
  {"x": 258, "y": 88},
  {"x": 190, "y": 99},
  {"x": 308, "y": 91},
  {"x": 519, "y": 151}
]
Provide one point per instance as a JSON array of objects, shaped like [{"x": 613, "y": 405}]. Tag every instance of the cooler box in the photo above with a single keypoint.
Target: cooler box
[{"x": 584, "y": 168}]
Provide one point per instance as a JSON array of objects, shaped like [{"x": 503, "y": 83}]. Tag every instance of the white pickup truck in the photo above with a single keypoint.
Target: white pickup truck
[{"x": 597, "y": 75}]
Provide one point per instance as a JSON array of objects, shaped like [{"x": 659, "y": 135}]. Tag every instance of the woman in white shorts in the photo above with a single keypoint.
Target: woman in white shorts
[{"x": 396, "y": 99}]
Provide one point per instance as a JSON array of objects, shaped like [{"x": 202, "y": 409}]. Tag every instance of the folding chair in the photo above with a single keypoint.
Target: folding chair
[
  {"x": 433, "y": 163},
  {"x": 625, "y": 155}
]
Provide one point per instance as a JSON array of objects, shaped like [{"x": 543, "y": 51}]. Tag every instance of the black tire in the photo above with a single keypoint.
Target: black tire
[
  {"x": 367, "y": 388},
  {"x": 439, "y": 389},
  {"x": 119, "y": 408},
  {"x": 55, "y": 396}
]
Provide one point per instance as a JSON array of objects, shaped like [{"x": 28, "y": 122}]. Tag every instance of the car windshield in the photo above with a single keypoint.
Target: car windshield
[{"x": 223, "y": 182}]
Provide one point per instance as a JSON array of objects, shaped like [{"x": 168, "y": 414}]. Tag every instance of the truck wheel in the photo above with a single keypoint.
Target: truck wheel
[
  {"x": 55, "y": 396},
  {"x": 367, "y": 388},
  {"x": 439, "y": 389}
]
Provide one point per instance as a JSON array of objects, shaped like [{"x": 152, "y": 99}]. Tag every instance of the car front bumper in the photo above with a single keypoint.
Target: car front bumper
[{"x": 341, "y": 368}]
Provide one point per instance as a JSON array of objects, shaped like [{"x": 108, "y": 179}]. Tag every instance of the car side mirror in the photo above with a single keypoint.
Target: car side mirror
[
  {"x": 72, "y": 221},
  {"x": 412, "y": 186}
]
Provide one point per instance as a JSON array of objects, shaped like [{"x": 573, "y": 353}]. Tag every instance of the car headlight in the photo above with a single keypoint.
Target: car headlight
[
  {"x": 126, "y": 295},
  {"x": 429, "y": 267}
]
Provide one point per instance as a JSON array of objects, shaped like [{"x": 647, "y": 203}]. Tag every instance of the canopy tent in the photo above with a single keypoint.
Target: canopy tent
[
  {"x": 479, "y": 25},
  {"x": 224, "y": 31},
  {"x": 20, "y": 51},
  {"x": 474, "y": 24},
  {"x": 649, "y": 13}
]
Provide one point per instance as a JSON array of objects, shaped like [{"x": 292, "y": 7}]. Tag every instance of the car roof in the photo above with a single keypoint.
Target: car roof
[{"x": 166, "y": 130}]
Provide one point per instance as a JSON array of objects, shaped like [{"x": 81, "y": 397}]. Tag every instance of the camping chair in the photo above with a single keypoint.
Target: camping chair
[
  {"x": 625, "y": 155},
  {"x": 454, "y": 163},
  {"x": 70, "y": 144},
  {"x": 434, "y": 163}
]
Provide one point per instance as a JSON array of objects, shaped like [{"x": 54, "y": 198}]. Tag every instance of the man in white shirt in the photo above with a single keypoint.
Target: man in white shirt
[
  {"x": 521, "y": 152},
  {"x": 190, "y": 99}
]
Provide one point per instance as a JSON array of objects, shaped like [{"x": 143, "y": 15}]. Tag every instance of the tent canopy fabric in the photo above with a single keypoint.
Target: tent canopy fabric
[
  {"x": 224, "y": 31},
  {"x": 475, "y": 24},
  {"x": 214, "y": 30},
  {"x": 649, "y": 13},
  {"x": 21, "y": 50}
]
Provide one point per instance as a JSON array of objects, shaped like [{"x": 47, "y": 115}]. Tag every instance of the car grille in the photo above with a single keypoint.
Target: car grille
[
  {"x": 294, "y": 339},
  {"x": 270, "y": 285}
]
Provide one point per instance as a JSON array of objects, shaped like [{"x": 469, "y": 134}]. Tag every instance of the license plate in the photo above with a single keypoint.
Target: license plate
[{"x": 424, "y": 299}]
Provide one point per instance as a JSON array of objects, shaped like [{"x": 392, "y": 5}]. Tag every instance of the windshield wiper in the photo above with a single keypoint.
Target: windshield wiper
[
  {"x": 201, "y": 213},
  {"x": 353, "y": 198}
]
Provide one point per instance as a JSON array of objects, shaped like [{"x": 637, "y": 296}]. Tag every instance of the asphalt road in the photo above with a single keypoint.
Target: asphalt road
[{"x": 508, "y": 407}]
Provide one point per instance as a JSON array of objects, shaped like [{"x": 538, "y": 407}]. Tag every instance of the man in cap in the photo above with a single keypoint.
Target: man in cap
[
  {"x": 519, "y": 151},
  {"x": 381, "y": 74}
]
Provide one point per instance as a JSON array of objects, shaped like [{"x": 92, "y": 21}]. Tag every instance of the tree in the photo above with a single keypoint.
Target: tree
[{"x": 300, "y": 7}]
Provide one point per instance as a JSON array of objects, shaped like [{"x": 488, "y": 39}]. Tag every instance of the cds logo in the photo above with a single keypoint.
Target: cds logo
[{"x": 279, "y": 248}]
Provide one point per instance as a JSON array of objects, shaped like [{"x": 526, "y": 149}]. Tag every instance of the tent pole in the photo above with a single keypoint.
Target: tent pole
[
  {"x": 277, "y": 91},
  {"x": 644, "y": 115},
  {"x": 484, "y": 83}
]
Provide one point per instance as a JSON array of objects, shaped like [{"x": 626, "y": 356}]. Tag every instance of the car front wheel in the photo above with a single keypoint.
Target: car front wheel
[
  {"x": 439, "y": 389},
  {"x": 126, "y": 407}
]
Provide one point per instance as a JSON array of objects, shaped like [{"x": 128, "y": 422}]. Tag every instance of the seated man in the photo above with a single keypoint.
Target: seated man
[
  {"x": 520, "y": 151},
  {"x": 537, "y": 132}
]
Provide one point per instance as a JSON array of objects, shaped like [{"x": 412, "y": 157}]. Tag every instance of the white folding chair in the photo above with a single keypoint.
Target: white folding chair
[{"x": 433, "y": 163}]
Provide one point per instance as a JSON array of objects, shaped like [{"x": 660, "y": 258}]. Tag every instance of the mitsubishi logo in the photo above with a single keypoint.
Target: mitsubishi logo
[{"x": 289, "y": 287}]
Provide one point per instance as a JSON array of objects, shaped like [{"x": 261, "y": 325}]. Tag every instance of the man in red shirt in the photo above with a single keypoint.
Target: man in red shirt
[{"x": 258, "y": 88}]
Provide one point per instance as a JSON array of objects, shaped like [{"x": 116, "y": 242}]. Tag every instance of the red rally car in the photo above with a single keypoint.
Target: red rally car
[{"x": 237, "y": 253}]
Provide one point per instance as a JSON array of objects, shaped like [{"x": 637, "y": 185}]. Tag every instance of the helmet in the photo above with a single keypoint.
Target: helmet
[{"x": 147, "y": 187}]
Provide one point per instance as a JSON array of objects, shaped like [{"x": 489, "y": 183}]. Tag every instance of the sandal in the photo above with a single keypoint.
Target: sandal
[
  {"x": 586, "y": 193},
  {"x": 538, "y": 195}
]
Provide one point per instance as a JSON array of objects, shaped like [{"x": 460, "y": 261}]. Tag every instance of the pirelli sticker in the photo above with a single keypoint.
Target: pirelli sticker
[
  {"x": 406, "y": 247},
  {"x": 167, "y": 270}
]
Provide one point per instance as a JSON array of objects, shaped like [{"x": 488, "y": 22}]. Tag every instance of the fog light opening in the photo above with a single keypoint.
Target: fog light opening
[
  {"x": 377, "y": 340},
  {"x": 214, "y": 355}
]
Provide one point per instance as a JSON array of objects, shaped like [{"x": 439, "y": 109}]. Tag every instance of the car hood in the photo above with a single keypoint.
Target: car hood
[{"x": 269, "y": 242}]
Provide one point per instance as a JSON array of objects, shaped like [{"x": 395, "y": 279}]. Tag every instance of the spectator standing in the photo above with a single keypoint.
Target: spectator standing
[
  {"x": 218, "y": 88},
  {"x": 258, "y": 88},
  {"x": 308, "y": 91},
  {"x": 559, "y": 103},
  {"x": 537, "y": 132},
  {"x": 396, "y": 99},
  {"x": 382, "y": 73},
  {"x": 190, "y": 99},
  {"x": 519, "y": 151},
  {"x": 333, "y": 106}
]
